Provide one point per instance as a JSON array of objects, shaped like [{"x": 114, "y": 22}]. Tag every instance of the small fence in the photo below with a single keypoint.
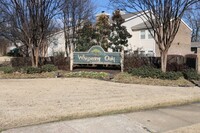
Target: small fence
[
  {"x": 174, "y": 62},
  {"x": 61, "y": 62}
]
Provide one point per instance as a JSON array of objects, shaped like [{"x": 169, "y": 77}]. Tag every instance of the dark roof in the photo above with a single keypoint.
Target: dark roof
[
  {"x": 195, "y": 44},
  {"x": 141, "y": 26}
]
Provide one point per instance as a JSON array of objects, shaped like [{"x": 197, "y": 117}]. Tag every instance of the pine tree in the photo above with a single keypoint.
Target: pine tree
[{"x": 119, "y": 35}]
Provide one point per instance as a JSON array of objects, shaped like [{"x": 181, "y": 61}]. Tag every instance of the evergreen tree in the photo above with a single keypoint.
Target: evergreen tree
[
  {"x": 85, "y": 37},
  {"x": 119, "y": 35},
  {"x": 103, "y": 30}
]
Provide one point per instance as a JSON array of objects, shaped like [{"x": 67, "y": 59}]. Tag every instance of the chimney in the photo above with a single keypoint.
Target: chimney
[
  {"x": 122, "y": 12},
  {"x": 102, "y": 12}
]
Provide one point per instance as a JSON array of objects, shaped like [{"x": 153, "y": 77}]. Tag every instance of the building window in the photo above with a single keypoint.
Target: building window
[
  {"x": 149, "y": 34},
  {"x": 142, "y": 53},
  {"x": 142, "y": 34},
  {"x": 150, "y": 53}
]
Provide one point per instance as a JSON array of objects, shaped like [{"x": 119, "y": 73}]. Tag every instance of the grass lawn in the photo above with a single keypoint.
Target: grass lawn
[
  {"x": 189, "y": 129},
  {"x": 34, "y": 101},
  {"x": 127, "y": 78},
  {"x": 120, "y": 77}
]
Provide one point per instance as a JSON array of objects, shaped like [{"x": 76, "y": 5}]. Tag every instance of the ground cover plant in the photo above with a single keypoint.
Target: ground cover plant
[
  {"x": 141, "y": 75},
  {"x": 7, "y": 69},
  {"x": 191, "y": 74},
  {"x": 84, "y": 74},
  {"x": 150, "y": 72},
  {"x": 128, "y": 78},
  {"x": 28, "y": 69}
]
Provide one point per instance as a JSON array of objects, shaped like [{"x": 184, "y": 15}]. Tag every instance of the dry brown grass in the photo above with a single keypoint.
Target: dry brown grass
[
  {"x": 33, "y": 101},
  {"x": 62, "y": 74},
  {"x": 189, "y": 129},
  {"x": 17, "y": 75},
  {"x": 127, "y": 78}
]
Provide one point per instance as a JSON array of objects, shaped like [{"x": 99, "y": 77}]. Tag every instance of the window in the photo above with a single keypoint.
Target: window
[
  {"x": 150, "y": 53},
  {"x": 142, "y": 52},
  {"x": 149, "y": 34},
  {"x": 142, "y": 34}
]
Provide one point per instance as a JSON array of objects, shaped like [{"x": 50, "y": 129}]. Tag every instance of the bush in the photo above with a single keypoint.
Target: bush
[
  {"x": 145, "y": 71},
  {"x": 31, "y": 70},
  {"x": 7, "y": 69},
  {"x": 171, "y": 75},
  {"x": 21, "y": 61},
  {"x": 191, "y": 74},
  {"x": 150, "y": 72},
  {"x": 48, "y": 68},
  {"x": 131, "y": 61},
  {"x": 62, "y": 62}
]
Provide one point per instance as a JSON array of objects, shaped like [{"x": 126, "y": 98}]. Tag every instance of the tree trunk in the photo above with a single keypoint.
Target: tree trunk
[
  {"x": 33, "y": 57},
  {"x": 36, "y": 56},
  {"x": 26, "y": 51},
  {"x": 163, "y": 60}
]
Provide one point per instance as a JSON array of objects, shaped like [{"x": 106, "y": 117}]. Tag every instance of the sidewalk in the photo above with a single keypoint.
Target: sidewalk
[{"x": 160, "y": 120}]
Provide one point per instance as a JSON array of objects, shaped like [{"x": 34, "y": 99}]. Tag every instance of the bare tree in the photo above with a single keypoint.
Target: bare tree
[
  {"x": 74, "y": 13},
  {"x": 192, "y": 16},
  {"x": 29, "y": 22},
  {"x": 162, "y": 16},
  {"x": 4, "y": 43}
]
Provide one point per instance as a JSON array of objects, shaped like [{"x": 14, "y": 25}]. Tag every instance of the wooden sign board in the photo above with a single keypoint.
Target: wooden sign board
[{"x": 97, "y": 55}]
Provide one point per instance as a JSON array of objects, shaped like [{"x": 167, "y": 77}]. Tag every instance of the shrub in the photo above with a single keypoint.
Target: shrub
[
  {"x": 191, "y": 74},
  {"x": 21, "y": 61},
  {"x": 31, "y": 70},
  {"x": 171, "y": 75},
  {"x": 62, "y": 62},
  {"x": 150, "y": 72},
  {"x": 131, "y": 61},
  {"x": 49, "y": 68},
  {"x": 7, "y": 69},
  {"x": 145, "y": 71}
]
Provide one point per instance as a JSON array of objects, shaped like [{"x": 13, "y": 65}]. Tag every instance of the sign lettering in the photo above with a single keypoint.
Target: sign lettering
[{"x": 97, "y": 55}]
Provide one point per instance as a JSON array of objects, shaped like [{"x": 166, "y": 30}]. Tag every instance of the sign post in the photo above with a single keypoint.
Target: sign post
[
  {"x": 71, "y": 59},
  {"x": 97, "y": 55},
  {"x": 122, "y": 60}
]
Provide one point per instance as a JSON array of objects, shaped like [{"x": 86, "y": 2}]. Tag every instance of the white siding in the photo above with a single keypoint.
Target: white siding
[
  {"x": 135, "y": 42},
  {"x": 56, "y": 44}
]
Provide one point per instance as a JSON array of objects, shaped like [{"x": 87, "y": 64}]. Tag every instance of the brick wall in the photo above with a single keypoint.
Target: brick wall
[{"x": 181, "y": 44}]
